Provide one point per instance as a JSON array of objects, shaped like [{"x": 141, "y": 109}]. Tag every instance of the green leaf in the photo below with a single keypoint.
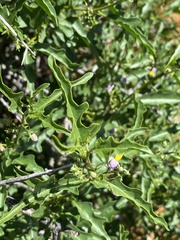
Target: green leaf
[
  {"x": 15, "y": 98},
  {"x": 2, "y": 199},
  {"x": 137, "y": 129},
  {"x": 130, "y": 25},
  {"x": 47, "y": 121},
  {"x": 82, "y": 235},
  {"x": 123, "y": 233},
  {"x": 28, "y": 198},
  {"x": 42, "y": 191},
  {"x": 40, "y": 88},
  {"x": 159, "y": 136},
  {"x": 61, "y": 147},
  {"x": 29, "y": 162},
  {"x": 78, "y": 27},
  {"x": 133, "y": 195},
  {"x": 84, "y": 79},
  {"x": 91, "y": 215},
  {"x": 133, "y": 133},
  {"x": 160, "y": 98},
  {"x": 12, "y": 213},
  {"x": 49, "y": 9},
  {"x": 140, "y": 110},
  {"x": 111, "y": 208},
  {"x": 58, "y": 54},
  {"x": 71, "y": 183},
  {"x": 173, "y": 58},
  {"x": 43, "y": 100},
  {"x": 37, "y": 108},
  {"x": 30, "y": 73},
  {"x": 80, "y": 134},
  {"x": 86, "y": 36},
  {"x": 110, "y": 145}
]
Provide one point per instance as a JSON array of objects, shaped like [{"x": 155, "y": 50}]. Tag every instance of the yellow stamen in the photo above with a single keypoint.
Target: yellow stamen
[{"x": 118, "y": 157}]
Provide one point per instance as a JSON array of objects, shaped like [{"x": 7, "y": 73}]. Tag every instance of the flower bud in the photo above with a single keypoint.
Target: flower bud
[{"x": 34, "y": 137}]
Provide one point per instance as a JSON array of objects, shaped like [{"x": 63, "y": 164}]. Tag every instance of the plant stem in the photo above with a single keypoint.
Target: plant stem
[{"x": 33, "y": 175}]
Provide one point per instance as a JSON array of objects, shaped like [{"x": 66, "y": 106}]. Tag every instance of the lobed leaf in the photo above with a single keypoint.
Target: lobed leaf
[
  {"x": 38, "y": 108},
  {"x": 133, "y": 195},
  {"x": 80, "y": 134},
  {"x": 42, "y": 191},
  {"x": 47, "y": 121},
  {"x": 110, "y": 145},
  {"x": 111, "y": 208},
  {"x": 43, "y": 100},
  {"x": 40, "y": 88},
  {"x": 71, "y": 183},
  {"x": 58, "y": 54},
  {"x": 29, "y": 162},
  {"x": 123, "y": 233},
  {"x": 87, "y": 212}
]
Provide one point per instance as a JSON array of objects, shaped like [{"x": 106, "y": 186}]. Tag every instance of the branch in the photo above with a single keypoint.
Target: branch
[
  {"x": 13, "y": 32},
  {"x": 33, "y": 175}
]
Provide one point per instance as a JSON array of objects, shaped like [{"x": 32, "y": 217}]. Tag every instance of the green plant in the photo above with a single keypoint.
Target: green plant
[{"x": 93, "y": 147}]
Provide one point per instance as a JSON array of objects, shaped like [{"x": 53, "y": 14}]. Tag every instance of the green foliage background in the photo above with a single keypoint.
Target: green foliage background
[{"x": 81, "y": 82}]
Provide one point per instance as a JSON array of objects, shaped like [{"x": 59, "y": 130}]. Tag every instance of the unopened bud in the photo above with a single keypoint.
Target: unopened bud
[
  {"x": 2, "y": 148},
  {"x": 34, "y": 137}
]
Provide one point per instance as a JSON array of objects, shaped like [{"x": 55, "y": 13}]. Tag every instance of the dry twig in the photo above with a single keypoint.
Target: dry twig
[{"x": 32, "y": 175}]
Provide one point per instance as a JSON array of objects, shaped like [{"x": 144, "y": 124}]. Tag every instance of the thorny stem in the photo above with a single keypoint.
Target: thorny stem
[{"x": 33, "y": 175}]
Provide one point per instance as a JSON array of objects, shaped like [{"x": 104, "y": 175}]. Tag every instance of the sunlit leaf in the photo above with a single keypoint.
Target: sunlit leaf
[
  {"x": 84, "y": 79},
  {"x": 110, "y": 145},
  {"x": 160, "y": 98},
  {"x": 174, "y": 57},
  {"x": 80, "y": 134},
  {"x": 78, "y": 27},
  {"x": 128, "y": 24},
  {"x": 133, "y": 195},
  {"x": 58, "y": 54},
  {"x": 29, "y": 162},
  {"x": 47, "y": 6},
  {"x": 38, "y": 108},
  {"x": 87, "y": 212}
]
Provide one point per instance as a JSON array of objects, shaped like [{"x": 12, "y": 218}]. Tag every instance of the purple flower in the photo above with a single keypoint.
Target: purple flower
[
  {"x": 113, "y": 164},
  {"x": 109, "y": 88},
  {"x": 152, "y": 72}
]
